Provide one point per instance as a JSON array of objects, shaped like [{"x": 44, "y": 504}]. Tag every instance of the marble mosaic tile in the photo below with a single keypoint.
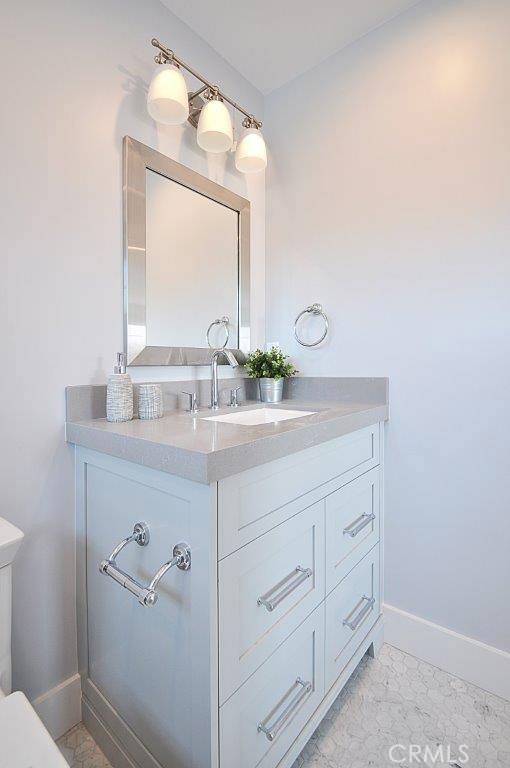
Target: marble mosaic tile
[
  {"x": 392, "y": 700},
  {"x": 80, "y": 750},
  {"x": 398, "y": 700}
]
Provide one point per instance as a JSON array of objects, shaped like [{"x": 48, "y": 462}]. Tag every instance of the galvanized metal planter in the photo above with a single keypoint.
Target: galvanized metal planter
[{"x": 271, "y": 390}]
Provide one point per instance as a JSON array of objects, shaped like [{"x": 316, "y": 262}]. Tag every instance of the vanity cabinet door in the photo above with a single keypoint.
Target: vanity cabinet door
[
  {"x": 352, "y": 525},
  {"x": 259, "y": 723},
  {"x": 150, "y": 664},
  {"x": 266, "y": 589},
  {"x": 351, "y": 610}
]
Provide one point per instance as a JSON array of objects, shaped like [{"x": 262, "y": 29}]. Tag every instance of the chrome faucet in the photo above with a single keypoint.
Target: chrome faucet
[{"x": 214, "y": 374}]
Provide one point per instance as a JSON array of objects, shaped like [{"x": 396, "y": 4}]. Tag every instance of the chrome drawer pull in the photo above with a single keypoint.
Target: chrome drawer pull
[
  {"x": 369, "y": 604},
  {"x": 303, "y": 575},
  {"x": 146, "y": 595},
  {"x": 361, "y": 522},
  {"x": 272, "y": 730}
]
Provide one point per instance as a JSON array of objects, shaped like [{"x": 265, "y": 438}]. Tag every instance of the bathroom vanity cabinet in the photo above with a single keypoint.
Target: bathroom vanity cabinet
[{"x": 240, "y": 657}]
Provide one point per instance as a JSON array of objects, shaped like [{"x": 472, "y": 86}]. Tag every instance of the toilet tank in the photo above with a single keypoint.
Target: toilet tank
[{"x": 10, "y": 540}]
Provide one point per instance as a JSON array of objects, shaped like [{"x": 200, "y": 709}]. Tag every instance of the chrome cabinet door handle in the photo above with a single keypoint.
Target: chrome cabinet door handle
[
  {"x": 284, "y": 587},
  {"x": 271, "y": 730},
  {"x": 354, "y": 624},
  {"x": 361, "y": 522},
  {"x": 146, "y": 595}
]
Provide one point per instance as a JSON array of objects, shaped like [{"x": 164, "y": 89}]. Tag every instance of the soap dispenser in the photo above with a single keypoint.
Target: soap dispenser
[{"x": 119, "y": 392}]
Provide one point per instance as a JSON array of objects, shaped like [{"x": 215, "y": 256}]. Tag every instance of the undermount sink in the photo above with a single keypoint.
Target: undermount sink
[{"x": 259, "y": 416}]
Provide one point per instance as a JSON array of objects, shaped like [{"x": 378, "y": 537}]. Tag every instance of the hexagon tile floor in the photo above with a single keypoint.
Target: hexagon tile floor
[
  {"x": 392, "y": 701},
  {"x": 80, "y": 750}
]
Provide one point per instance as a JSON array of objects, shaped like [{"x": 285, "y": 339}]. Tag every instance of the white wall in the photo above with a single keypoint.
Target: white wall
[
  {"x": 74, "y": 77},
  {"x": 388, "y": 201}
]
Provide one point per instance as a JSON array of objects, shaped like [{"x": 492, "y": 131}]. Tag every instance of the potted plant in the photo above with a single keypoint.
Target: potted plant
[{"x": 270, "y": 368}]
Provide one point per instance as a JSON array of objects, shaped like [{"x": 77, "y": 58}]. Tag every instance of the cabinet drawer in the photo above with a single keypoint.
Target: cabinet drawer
[
  {"x": 280, "y": 697},
  {"x": 352, "y": 525},
  {"x": 253, "y": 502},
  {"x": 266, "y": 589},
  {"x": 351, "y": 610}
]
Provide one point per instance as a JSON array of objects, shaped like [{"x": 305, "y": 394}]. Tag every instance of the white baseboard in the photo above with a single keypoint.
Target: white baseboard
[
  {"x": 472, "y": 661},
  {"x": 60, "y": 708}
]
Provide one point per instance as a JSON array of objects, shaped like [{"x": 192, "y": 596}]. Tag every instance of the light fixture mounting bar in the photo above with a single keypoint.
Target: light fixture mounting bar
[{"x": 170, "y": 56}]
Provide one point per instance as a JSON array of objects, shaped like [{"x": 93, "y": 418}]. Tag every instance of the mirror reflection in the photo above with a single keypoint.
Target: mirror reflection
[{"x": 191, "y": 267}]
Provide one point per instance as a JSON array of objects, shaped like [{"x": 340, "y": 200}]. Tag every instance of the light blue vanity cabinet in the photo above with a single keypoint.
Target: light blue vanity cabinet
[
  {"x": 147, "y": 671},
  {"x": 241, "y": 655}
]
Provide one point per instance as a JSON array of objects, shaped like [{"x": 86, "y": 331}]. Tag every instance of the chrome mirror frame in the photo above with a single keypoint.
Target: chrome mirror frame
[{"x": 137, "y": 159}]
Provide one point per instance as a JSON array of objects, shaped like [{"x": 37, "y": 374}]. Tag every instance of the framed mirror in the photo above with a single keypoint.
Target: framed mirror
[{"x": 186, "y": 263}]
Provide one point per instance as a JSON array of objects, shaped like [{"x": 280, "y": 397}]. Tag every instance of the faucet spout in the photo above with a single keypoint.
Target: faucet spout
[
  {"x": 230, "y": 357},
  {"x": 214, "y": 374}
]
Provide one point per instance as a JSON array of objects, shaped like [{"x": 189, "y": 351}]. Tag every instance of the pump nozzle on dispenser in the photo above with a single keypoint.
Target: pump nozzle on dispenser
[{"x": 121, "y": 363}]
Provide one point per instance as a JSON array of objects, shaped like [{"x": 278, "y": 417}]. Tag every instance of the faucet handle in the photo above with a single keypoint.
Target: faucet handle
[
  {"x": 193, "y": 406},
  {"x": 233, "y": 397}
]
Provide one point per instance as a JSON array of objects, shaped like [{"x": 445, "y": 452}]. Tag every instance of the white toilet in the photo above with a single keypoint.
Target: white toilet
[{"x": 24, "y": 741}]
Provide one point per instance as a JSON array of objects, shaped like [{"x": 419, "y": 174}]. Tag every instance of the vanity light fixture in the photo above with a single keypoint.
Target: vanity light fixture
[
  {"x": 169, "y": 102},
  {"x": 214, "y": 130},
  {"x": 251, "y": 155}
]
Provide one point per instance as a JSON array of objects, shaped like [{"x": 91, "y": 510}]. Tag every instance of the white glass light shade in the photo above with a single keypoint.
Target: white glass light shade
[
  {"x": 251, "y": 155},
  {"x": 167, "y": 101},
  {"x": 214, "y": 132}
]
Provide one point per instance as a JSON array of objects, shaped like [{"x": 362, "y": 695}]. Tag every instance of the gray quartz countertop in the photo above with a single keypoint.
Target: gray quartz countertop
[{"x": 206, "y": 451}]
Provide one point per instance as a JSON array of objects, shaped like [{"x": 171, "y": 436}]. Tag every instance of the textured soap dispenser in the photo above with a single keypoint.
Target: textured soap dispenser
[{"x": 119, "y": 393}]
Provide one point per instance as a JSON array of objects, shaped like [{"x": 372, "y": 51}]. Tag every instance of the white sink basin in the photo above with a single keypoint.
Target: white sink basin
[{"x": 259, "y": 416}]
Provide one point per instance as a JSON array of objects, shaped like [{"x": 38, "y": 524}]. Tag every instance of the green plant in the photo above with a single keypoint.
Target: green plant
[{"x": 269, "y": 365}]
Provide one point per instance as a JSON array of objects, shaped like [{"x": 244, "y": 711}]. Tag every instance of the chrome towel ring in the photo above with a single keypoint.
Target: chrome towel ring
[
  {"x": 313, "y": 309},
  {"x": 224, "y": 321}
]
